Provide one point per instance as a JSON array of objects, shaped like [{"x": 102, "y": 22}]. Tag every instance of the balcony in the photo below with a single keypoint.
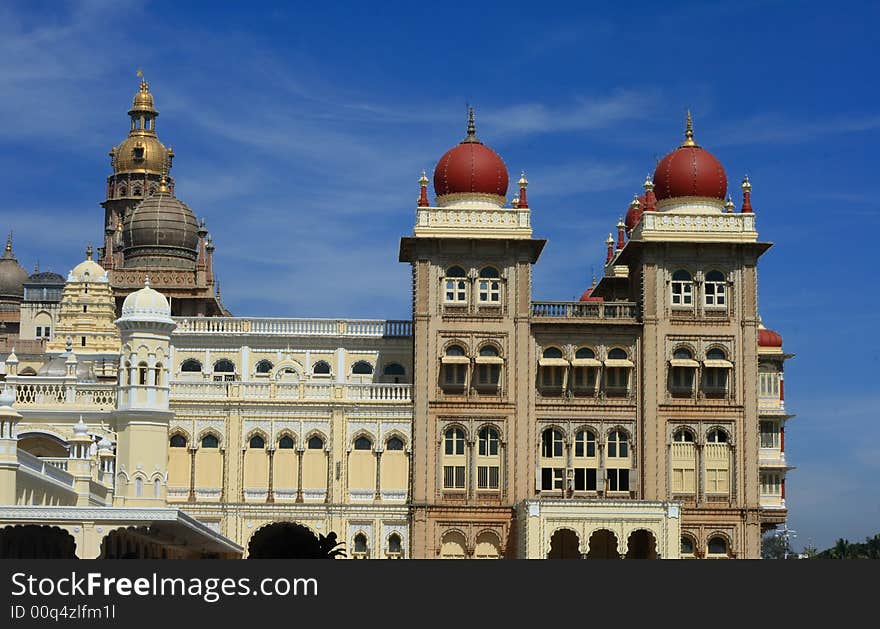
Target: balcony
[
  {"x": 578, "y": 311},
  {"x": 53, "y": 392},
  {"x": 287, "y": 391},
  {"x": 234, "y": 326}
]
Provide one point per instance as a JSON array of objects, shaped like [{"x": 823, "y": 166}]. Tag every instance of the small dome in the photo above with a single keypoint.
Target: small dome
[
  {"x": 146, "y": 302},
  {"x": 12, "y": 275},
  {"x": 7, "y": 398},
  {"x": 105, "y": 444},
  {"x": 769, "y": 338},
  {"x": 80, "y": 429},
  {"x": 45, "y": 277},
  {"x": 88, "y": 270},
  {"x": 57, "y": 368},
  {"x": 690, "y": 171},
  {"x": 143, "y": 100},
  {"x": 588, "y": 296},
  {"x": 161, "y": 231},
  {"x": 471, "y": 168},
  {"x": 634, "y": 213}
]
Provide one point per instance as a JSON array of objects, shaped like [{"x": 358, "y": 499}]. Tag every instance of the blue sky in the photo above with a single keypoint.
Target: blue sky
[{"x": 300, "y": 133}]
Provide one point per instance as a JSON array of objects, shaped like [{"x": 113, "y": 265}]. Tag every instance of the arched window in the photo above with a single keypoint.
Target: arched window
[
  {"x": 210, "y": 441},
  {"x": 715, "y": 295},
  {"x": 123, "y": 375},
  {"x": 717, "y": 546},
  {"x": 257, "y": 442},
  {"x": 394, "y": 444},
  {"x": 395, "y": 547},
  {"x": 454, "y": 460},
  {"x": 552, "y": 460},
  {"x": 226, "y": 368},
  {"x": 684, "y": 462},
  {"x": 455, "y": 367},
  {"x": 287, "y": 374},
  {"x": 716, "y": 458},
  {"x": 488, "y": 459},
  {"x": 715, "y": 373},
  {"x": 363, "y": 443},
  {"x": 139, "y": 487},
  {"x": 394, "y": 372},
  {"x": 553, "y": 371},
  {"x": 360, "y": 547},
  {"x": 683, "y": 367},
  {"x": 142, "y": 373},
  {"x": 191, "y": 365},
  {"x": 321, "y": 368},
  {"x": 285, "y": 443},
  {"x": 586, "y": 461},
  {"x": 617, "y": 455},
  {"x": 316, "y": 443},
  {"x": 455, "y": 286},
  {"x": 157, "y": 372},
  {"x": 488, "y": 546},
  {"x": 490, "y": 286},
  {"x": 264, "y": 367},
  {"x": 688, "y": 547},
  {"x": 362, "y": 368},
  {"x": 157, "y": 488},
  {"x": 617, "y": 370},
  {"x": 682, "y": 289},
  {"x": 453, "y": 545},
  {"x": 177, "y": 441},
  {"x": 489, "y": 368},
  {"x": 586, "y": 370}
]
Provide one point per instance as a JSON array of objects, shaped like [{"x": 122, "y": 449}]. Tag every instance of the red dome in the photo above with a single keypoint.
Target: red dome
[
  {"x": 690, "y": 171},
  {"x": 769, "y": 338},
  {"x": 633, "y": 215},
  {"x": 588, "y": 296},
  {"x": 470, "y": 167}
]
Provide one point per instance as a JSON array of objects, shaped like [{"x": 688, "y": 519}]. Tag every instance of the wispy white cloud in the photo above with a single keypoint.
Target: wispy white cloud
[{"x": 769, "y": 128}]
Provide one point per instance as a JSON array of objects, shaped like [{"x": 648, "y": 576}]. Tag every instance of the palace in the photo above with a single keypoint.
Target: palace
[{"x": 140, "y": 418}]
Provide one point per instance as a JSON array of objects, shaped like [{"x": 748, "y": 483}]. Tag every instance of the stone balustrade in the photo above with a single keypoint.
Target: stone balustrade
[
  {"x": 44, "y": 468},
  {"x": 304, "y": 391},
  {"x": 371, "y": 328},
  {"x": 583, "y": 310},
  {"x": 50, "y": 392}
]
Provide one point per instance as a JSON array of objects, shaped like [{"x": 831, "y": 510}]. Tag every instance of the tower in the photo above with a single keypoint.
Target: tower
[
  {"x": 9, "y": 419},
  {"x": 148, "y": 229},
  {"x": 471, "y": 257},
  {"x": 142, "y": 414}
]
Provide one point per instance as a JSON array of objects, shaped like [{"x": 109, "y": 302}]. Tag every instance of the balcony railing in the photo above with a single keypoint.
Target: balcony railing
[
  {"x": 44, "y": 468},
  {"x": 55, "y": 392},
  {"x": 615, "y": 310},
  {"x": 291, "y": 391},
  {"x": 377, "y": 328}
]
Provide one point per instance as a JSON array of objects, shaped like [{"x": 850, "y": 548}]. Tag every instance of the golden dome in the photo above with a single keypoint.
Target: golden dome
[
  {"x": 143, "y": 100},
  {"x": 140, "y": 153}
]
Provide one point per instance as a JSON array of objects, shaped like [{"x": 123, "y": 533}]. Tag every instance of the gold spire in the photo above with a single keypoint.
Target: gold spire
[
  {"x": 471, "y": 128},
  {"x": 89, "y": 251},
  {"x": 423, "y": 180},
  {"x": 163, "y": 180},
  {"x": 689, "y": 131},
  {"x": 9, "y": 242},
  {"x": 523, "y": 182}
]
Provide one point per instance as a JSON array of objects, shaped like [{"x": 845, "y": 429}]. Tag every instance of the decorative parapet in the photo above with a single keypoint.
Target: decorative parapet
[
  {"x": 481, "y": 222},
  {"x": 687, "y": 226},
  {"x": 52, "y": 392},
  {"x": 214, "y": 326},
  {"x": 622, "y": 311},
  {"x": 305, "y": 391}
]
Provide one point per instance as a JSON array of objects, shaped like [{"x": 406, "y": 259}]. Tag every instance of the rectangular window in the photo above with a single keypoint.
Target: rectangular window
[
  {"x": 716, "y": 378},
  {"x": 490, "y": 291},
  {"x": 454, "y": 374},
  {"x": 46, "y": 332},
  {"x": 552, "y": 478},
  {"x": 489, "y": 375},
  {"x": 584, "y": 479},
  {"x": 771, "y": 484},
  {"x": 453, "y": 476},
  {"x": 39, "y": 331},
  {"x": 456, "y": 291},
  {"x": 616, "y": 377},
  {"x": 551, "y": 377},
  {"x": 769, "y": 434},
  {"x": 585, "y": 377},
  {"x": 487, "y": 477},
  {"x": 581, "y": 447},
  {"x": 683, "y": 378},
  {"x": 618, "y": 480},
  {"x": 682, "y": 294},
  {"x": 769, "y": 385},
  {"x": 83, "y": 341}
]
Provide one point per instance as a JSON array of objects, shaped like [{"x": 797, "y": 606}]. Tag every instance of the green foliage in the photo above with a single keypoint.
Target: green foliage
[{"x": 844, "y": 549}]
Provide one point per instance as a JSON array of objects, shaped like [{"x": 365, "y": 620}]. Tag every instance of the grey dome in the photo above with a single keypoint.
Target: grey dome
[
  {"x": 12, "y": 275},
  {"x": 161, "y": 232}
]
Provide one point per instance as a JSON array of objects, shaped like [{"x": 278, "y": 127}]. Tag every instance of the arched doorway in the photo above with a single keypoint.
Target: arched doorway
[
  {"x": 289, "y": 540},
  {"x": 134, "y": 543},
  {"x": 641, "y": 545},
  {"x": 32, "y": 541},
  {"x": 453, "y": 546},
  {"x": 564, "y": 544},
  {"x": 42, "y": 445},
  {"x": 603, "y": 545}
]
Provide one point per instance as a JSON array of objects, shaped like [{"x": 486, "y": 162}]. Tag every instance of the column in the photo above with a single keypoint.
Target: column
[
  {"x": 192, "y": 473},
  {"x": 471, "y": 469},
  {"x": 378, "y": 494},
  {"x": 270, "y": 494},
  {"x": 300, "y": 450}
]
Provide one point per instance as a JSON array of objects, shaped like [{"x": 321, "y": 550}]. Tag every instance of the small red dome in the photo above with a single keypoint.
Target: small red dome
[
  {"x": 470, "y": 167},
  {"x": 588, "y": 296},
  {"x": 690, "y": 171},
  {"x": 769, "y": 338},
  {"x": 634, "y": 215}
]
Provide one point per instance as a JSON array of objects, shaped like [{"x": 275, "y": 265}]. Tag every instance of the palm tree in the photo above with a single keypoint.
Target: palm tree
[{"x": 842, "y": 549}]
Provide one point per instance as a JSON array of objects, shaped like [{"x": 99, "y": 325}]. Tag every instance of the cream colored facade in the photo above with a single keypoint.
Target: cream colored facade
[{"x": 633, "y": 424}]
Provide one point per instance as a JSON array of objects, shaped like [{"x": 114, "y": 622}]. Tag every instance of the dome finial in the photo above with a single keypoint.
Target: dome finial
[
  {"x": 471, "y": 127},
  {"x": 163, "y": 180},
  {"x": 146, "y": 281},
  {"x": 9, "y": 242},
  {"x": 144, "y": 86},
  {"x": 89, "y": 251},
  {"x": 689, "y": 131}
]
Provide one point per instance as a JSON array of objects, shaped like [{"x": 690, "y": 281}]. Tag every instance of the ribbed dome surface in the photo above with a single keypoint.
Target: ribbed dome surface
[{"x": 161, "y": 231}]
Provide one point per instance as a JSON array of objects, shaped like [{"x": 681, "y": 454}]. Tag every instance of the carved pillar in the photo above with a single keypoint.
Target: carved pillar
[
  {"x": 378, "y": 494},
  {"x": 192, "y": 475},
  {"x": 299, "y": 472},
  {"x": 270, "y": 494},
  {"x": 329, "y": 491},
  {"x": 471, "y": 469},
  {"x": 225, "y": 473}
]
